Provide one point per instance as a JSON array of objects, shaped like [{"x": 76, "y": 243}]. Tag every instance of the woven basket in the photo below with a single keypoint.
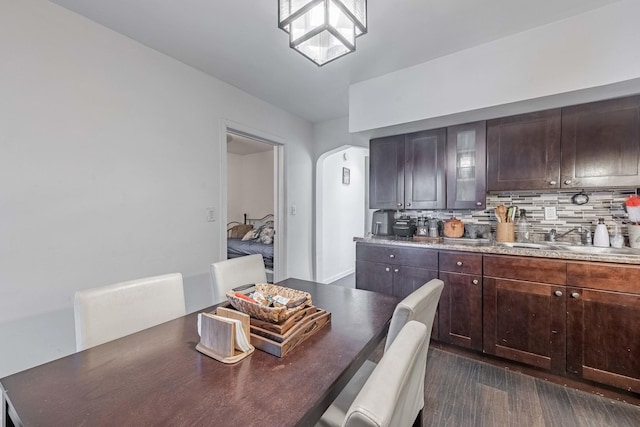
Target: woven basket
[{"x": 270, "y": 314}]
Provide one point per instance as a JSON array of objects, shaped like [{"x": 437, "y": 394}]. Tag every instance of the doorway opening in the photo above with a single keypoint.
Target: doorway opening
[
  {"x": 342, "y": 211},
  {"x": 253, "y": 200}
]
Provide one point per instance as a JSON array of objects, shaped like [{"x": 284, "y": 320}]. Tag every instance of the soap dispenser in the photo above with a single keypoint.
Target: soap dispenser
[{"x": 601, "y": 236}]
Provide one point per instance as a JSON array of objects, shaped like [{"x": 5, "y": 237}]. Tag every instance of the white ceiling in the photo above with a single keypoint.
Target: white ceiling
[{"x": 238, "y": 41}]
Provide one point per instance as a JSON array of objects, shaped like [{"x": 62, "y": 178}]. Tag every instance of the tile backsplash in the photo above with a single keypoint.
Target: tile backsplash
[{"x": 607, "y": 204}]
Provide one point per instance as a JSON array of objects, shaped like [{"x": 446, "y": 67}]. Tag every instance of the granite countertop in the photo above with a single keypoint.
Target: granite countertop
[{"x": 493, "y": 248}]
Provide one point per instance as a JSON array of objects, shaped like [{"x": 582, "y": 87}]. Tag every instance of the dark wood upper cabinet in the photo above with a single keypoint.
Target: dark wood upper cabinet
[
  {"x": 424, "y": 170},
  {"x": 523, "y": 152},
  {"x": 466, "y": 166},
  {"x": 601, "y": 144},
  {"x": 591, "y": 145},
  {"x": 408, "y": 171},
  {"x": 386, "y": 172}
]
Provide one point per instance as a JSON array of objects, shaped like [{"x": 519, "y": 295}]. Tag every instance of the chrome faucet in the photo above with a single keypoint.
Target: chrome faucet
[{"x": 585, "y": 235}]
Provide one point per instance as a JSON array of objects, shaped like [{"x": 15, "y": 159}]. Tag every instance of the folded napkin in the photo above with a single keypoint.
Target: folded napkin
[{"x": 241, "y": 342}]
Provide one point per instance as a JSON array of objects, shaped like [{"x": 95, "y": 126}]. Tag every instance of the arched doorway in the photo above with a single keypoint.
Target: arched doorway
[{"x": 341, "y": 210}]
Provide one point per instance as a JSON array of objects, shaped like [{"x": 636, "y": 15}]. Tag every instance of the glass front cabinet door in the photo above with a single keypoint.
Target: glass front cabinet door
[{"x": 466, "y": 166}]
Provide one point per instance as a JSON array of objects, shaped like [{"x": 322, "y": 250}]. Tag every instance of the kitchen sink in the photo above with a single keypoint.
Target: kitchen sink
[
  {"x": 600, "y": 250},
  {"x": 549, "y": 246}
]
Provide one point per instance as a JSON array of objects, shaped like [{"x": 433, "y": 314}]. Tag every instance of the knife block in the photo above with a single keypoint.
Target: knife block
[{"x": 218, "y": 335}]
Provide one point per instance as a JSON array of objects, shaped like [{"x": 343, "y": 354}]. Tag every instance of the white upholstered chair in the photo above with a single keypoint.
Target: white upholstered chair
[
  {"x": 419, "y": 306},
  {"x": 235, "y": 272},
  {"x": 393, "y": 395},
  {"x": 109, "y": 312}
]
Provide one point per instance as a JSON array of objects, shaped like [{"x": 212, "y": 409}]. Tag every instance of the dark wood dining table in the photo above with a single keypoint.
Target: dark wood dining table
[{"x": 157, "y": 377}]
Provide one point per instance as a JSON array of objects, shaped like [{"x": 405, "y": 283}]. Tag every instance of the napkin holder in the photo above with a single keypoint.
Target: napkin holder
[{"x": 218, "y": 335}]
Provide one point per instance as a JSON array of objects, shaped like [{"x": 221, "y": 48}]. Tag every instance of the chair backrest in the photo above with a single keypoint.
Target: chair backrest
[
  {"x": 420, "y": 305},
  {"x": 231, "y": 273},
  {"x": 108, "y": 312},
  {"x": 394, "y": 393}
]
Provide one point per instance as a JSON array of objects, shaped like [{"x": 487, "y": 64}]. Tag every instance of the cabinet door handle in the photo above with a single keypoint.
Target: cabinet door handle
[
  {"x": 558, "y": 293},
  {"x": 392, "y": 256},
  {"x": 478, "y": 203},
  {"x": 575, "y": 295},
  {"x": 408, "y": 204},
  {"x": 567, "y": 181},
  {"x": 395, "y": 270},
  {"x": 459, "y": 263},
  {"x": 553, "y": 182},
  {"x": 387, "y": 269},
  {"x": 399, "y": 205},
  {"x": 475, "y": 281}
]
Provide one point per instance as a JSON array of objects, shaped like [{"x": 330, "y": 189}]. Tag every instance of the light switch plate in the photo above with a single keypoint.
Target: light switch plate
[
  {"x": 211, "y": 214},
  {"x": 550, "y": 213}
]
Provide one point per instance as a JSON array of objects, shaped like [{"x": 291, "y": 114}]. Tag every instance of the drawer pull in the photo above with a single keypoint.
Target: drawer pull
[
  {"x": 558, "y": 293},
  {"x": 399, "y": 205},
  {"x": 552, "y": 182},
  {"x": 387, "y": 269},
  {"x": 478, "y": 203},
  {"x": 475, "y": 281},
  {"x": 459, "y": 263},
  {"x": 575, "y": 295},
  {"x": 395, "y": 270},
  {"x": 392, "y": 256}
]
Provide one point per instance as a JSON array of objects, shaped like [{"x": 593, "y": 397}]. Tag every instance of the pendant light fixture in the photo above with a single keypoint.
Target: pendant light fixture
[{"x": 323, "y": 30}]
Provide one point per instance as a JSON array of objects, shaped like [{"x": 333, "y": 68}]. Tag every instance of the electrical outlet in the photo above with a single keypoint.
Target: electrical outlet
[
  {"x": 550, "y": 213},
  {"x": 211, "y": 214}
]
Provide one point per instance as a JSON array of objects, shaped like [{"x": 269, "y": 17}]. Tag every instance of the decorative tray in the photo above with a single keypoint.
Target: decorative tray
[{"x": 279, "y": 340}]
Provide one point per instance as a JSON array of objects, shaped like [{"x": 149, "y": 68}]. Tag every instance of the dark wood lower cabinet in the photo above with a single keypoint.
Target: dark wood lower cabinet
[
  {"x": 525, "y": 322},
  {"x": 603, "y": 337},
  {"x": 577, "y": 319},
  {"x": 374, "y": 276},
  {"x": 460, "y": 310},
  {"x": 394, "y": 280}
]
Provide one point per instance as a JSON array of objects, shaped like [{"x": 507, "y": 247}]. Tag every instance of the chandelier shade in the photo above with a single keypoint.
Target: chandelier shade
[{"x": 323, "y": 30}]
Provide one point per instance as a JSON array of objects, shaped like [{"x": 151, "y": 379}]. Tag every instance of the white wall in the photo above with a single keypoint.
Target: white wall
[
  {"x": 110, "y": 155},
  {"x": 341, "y": 212},
  {"x": 249, "y": 185},
  {"x": 333, "y": 134},
  {"x": 596, "y": 49}
]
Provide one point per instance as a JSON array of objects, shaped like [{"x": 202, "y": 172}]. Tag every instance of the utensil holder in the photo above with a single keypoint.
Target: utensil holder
[{"x": 505, "y": 232}]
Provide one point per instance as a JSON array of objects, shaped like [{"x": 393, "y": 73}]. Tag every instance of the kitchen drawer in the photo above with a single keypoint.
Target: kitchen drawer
[
  {"x": 458, "y": 262},
  {"x": 608, "y": 277},
  {"x": 396, "y": 255},
  {"x": 526, "y": 268}
]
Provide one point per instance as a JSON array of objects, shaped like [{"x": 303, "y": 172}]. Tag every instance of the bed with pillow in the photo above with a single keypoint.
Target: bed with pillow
[{"x": 253, "y": 236}]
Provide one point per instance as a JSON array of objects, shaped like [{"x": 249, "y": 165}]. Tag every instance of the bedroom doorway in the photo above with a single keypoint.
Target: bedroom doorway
[{"x": 252, "y": 198}]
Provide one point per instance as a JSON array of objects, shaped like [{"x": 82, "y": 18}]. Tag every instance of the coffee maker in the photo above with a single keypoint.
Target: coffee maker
[{"x": 404, "y": 227}]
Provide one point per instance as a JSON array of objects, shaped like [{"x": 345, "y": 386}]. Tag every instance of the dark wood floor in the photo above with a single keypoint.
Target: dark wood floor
[{"x": 460, "y": 391}]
